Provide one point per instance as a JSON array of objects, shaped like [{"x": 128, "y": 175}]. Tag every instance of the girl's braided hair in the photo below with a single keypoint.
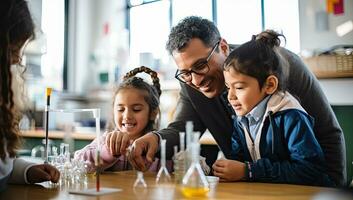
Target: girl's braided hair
[
  {"x": 153, "y": 74},
  {"x": 153, "y": 92}
]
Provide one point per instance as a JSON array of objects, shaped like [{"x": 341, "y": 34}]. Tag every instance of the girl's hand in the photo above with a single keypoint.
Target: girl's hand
[
  {"x": 147, "y": 144},
  {"x": 117, "y": 142},
  {"x": 229, "y": 170},
  {"x": 43, "y": 172}
]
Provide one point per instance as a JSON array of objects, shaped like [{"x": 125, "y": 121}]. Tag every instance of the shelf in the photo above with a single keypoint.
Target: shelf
[
  {"x": 331, "y": 66},
  {"x": 57, "y": 135}
]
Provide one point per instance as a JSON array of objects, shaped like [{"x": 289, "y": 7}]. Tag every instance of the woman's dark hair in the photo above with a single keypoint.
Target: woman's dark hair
[
  {"x": 189, "y": 28},
  {"x": 16, "y": 27},
  {"x": 259, "y": 58},
  {"x": 153, "y": 92}
]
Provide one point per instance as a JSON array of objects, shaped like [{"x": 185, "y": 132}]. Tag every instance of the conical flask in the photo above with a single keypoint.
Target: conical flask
[
  {"x": 140, "y": 181},
  {"x": 163, "y": 174},
  {"x": 194, "y": 183}
]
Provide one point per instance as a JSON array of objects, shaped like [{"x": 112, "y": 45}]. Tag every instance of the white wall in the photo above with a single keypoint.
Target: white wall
[
  {"x": 338, "y": 91},
  {"x": 86, "y": 20},
  {"x": 80, "y": 25},
  {"x": 310, "y": 38}
]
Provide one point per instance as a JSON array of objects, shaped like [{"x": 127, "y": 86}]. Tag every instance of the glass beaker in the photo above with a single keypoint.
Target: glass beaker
[{"x": 194, "y": 183}]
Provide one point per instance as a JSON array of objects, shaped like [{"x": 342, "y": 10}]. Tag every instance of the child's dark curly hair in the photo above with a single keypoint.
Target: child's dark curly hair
[{"x": 16, "y": 27}]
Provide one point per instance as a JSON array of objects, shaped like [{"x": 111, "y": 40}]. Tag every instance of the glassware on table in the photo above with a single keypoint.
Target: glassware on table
[
  {"x": 140, "y": 181},
  {"x": 179, "y": 159},
  {"x": 163, "y": 174},
  {"x": 194, "y": 183},
  {"x": 52, "y": 160},
  {"x": 140, "y": 187},
  {"x": 213, "y": 182},
  {"x": 73, "y": 173}
]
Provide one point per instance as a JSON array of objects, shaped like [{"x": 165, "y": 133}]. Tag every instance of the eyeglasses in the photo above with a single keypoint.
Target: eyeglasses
[{"x": 200, "y": 68}]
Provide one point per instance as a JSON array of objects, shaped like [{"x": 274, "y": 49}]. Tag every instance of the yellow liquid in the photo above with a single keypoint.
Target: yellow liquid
[{"x": 195, "y": 192}]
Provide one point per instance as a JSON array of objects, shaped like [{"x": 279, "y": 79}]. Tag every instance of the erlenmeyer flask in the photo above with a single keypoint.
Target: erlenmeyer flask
[
  {"x": 194, "y": 182},
  {"x": 163, "y": 174},
  {"x": 140, "y": 181}
]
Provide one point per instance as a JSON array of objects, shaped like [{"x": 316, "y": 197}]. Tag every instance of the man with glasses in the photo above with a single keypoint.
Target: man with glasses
[
  {"x": 200, "y": 68},
  {"x": 199, "y": 52}
]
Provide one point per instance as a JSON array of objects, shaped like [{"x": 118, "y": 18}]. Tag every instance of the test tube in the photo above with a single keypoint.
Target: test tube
[
  {"x": 189, "y": 129},
  {"x": 182, "y": 140},
  {"x": 196, "y": 137}
]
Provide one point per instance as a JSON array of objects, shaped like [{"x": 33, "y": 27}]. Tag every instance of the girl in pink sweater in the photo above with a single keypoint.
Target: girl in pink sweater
[{"x": 135, "y": 112}]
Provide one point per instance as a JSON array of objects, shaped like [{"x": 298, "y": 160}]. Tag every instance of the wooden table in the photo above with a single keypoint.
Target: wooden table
[{"x": 126, "y": 179}]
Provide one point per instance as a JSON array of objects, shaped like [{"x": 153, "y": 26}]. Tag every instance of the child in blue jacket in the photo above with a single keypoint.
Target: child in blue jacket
[{"x": 273, "y": 138}]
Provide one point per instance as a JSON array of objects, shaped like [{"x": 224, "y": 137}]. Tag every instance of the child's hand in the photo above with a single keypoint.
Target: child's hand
[
  {"x": 229, "y": 170},
  {"x": 43, "y": 172},
  {"x": 117, "y": 142},
  {"x": 146, "y": 144}
]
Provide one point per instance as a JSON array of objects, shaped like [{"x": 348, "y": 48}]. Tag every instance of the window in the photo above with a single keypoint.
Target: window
[
  {"x": 45, "y": 55},
  {"x": 283, "y": 17},
  {"x": 53, "y": 12},
  {"x": 238, "y": 20},
  {"x": 149, "y": 29},
  {"x": 184, "y": 8}
]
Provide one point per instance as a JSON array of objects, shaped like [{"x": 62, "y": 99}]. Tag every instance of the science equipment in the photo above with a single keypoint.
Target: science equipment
[
  {"x": 194, "y": 183},
  {"x": 140, "y": 181},
  {"x": 179, "y": 160},
  {"x": 163, "y": 174},
  {"x": 47, "y": 107}
]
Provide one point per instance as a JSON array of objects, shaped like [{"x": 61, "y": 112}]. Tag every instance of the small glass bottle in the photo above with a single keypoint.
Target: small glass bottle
[
  {"x": 194, "y": 182},
  {"x": 179, "y": 160}
]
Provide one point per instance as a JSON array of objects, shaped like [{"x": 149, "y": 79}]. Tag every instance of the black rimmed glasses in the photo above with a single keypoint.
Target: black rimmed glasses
[{"x": 201, "y": 67}]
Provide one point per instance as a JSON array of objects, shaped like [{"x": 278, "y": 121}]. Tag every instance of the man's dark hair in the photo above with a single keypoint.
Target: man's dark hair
[{"x": 189, "y": 28}]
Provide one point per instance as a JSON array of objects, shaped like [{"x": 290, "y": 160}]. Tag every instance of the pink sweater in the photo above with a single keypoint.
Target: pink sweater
[{"x": 108, "y": 161}]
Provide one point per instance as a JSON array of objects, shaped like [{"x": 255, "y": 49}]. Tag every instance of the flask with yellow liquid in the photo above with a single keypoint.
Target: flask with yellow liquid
[{"x": 194, "y": 183}]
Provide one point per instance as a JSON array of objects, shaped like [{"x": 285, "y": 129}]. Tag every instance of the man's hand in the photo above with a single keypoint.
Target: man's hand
[
  {"x": 229, "y": 170},
  {"x": 117, "y": 142},
  {"x": 146, "y": 144},
  {"x": 43, "y": 172}
]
